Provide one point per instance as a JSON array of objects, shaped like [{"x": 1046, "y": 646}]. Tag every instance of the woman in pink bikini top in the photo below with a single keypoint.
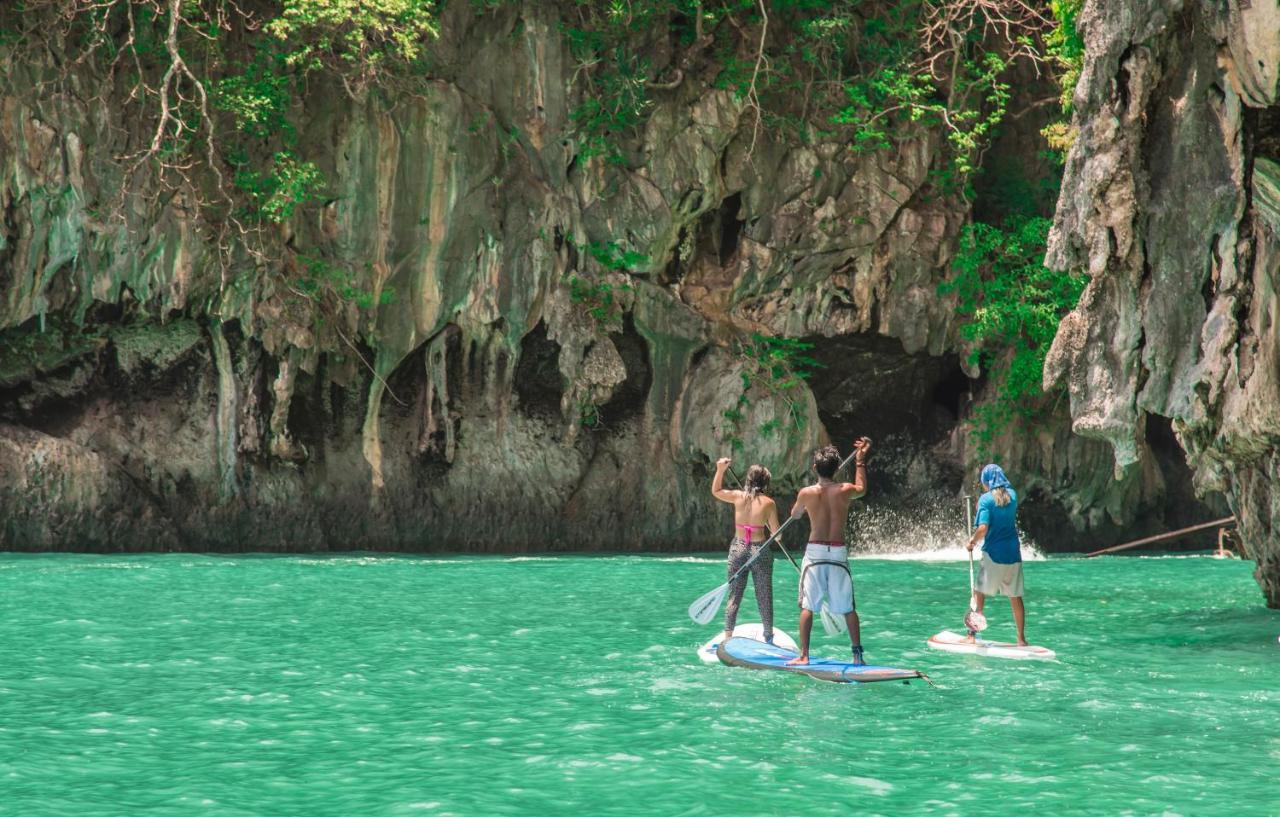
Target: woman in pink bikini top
[{"x": 755, "y": 517}]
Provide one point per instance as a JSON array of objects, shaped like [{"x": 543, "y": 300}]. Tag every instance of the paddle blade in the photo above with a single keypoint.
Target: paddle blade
[
  {"x": 975, "y": 621},
  {"x": 831, "y": 623},
  {"x": 704, "y": 609}
]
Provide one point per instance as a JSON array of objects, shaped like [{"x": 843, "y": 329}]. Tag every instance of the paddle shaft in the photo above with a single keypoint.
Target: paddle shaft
[
  {"x": 973, "y": 598},
  {"x": 968, "y": 530}
]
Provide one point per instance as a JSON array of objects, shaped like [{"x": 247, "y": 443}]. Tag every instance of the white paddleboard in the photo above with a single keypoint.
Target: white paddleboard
[
  {"x": 948, "y": 641},
  {"x": 707, "y": 652}
]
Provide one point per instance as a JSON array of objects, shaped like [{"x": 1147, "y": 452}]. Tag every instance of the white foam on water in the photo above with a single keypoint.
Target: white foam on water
[
  {"x": 927, "y": 532},
  {"x": 955, "y": 553}
]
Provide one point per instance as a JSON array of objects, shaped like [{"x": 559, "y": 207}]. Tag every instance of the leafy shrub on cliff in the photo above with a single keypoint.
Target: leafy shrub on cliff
[
  {"x": 361, "y": 36},
  {"x": 811, "y": 69},
  {"x": 275, "y": 193},
  {"x": 777, "y": 367},
  {"x": 1066, "y": 49},
  {"x": 1011, "y": 305},
  {"x": 212, "y": 84}
]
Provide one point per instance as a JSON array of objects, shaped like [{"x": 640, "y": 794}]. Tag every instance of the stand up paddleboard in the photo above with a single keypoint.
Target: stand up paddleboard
[
  {"x": 752, "y": 654},
  {"x": 754, "y": 630},
  {"x": 948, "y": 641}
]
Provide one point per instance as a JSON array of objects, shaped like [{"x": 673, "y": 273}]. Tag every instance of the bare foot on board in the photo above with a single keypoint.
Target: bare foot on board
[{"x": 798, "y": 661}]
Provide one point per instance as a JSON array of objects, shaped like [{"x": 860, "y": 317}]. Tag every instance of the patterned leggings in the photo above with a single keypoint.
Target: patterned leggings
[{"x": 761, "y": 571}]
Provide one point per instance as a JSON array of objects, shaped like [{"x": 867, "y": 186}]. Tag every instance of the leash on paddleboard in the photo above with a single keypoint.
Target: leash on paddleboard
[{"x": 704, "y": 608}]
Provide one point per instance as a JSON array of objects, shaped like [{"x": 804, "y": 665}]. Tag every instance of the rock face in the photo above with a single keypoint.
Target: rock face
[
  {"x": 1169, "y": 205},
  {"x": 496, "y": 400},
  {"x": 550, "y": 351}
]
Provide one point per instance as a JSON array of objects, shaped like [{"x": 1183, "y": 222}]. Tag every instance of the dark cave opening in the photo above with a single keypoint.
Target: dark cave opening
[
  {"x": 868, "y": 385},
  {"x": 629, "y": 397},
  {"x": 539, "y": 384},
  {"x": 720, "y": 231},
  {"x": 1181, "y": 507},
  {"x": 1263, "y": 126},
  {"x": 953, "y": 392},
  {"x": 51, "y": 376},
  {"x": 674, "y": 271},
  {"x": 308, "y": 422},
  {"x": 730, "y": 228}
]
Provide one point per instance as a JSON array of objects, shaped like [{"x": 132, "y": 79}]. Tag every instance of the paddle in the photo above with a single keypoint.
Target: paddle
[
  {"x": 705, "y": 607},
  {"x": 973, "y": 620},
  {"x": 831, "y": 625}
]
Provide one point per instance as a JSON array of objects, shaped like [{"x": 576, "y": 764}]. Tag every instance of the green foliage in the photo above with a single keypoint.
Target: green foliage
[
  {"x": 782, "y": 364},
  {"x": 259, "y": 99},
  {"x": 589, "y": 413},
  {"x": 1011, "y": 305},
  {"x": 360, "y": 34},
  {"x": 275, "y": 194},
  {"x": 616, "y": 100},
  {"x": 1065, "y": 48},
  {"x": 777, "y": 367},
  {"x": 320, "y": 280},
  {"x": 612, "y": 255},
  {"x": 601, "y": 300},
  {"x": 891, "y": 102}
]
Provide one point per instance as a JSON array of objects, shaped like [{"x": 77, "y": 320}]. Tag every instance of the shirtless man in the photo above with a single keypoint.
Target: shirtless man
[{"x": 825, "y": 569}]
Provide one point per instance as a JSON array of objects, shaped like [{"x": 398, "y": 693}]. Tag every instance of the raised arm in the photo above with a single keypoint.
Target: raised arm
[
  {"x": 717, "y": 485},
  {"x": 859, "y": 485}
]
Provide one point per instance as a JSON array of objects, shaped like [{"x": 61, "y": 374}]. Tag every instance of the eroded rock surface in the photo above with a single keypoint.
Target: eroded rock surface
[
  {"x": 1168, "y": 204},
  {"x": 496, "y": 406},
  {"x": 509, "y": 384}
]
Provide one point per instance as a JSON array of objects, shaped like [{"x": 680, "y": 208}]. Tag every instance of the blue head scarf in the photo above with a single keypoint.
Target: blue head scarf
[{"x": 993, "y": 477}]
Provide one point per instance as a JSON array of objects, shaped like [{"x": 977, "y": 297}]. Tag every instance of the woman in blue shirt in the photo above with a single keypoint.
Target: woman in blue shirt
[{"x": 1000, "y": 573}]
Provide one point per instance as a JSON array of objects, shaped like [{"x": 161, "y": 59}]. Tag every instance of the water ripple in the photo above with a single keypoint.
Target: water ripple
[{"x": 355, "y": 684}]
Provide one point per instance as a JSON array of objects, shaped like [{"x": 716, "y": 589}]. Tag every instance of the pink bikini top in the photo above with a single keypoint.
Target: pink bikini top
[{"x": 750, "y": 529}]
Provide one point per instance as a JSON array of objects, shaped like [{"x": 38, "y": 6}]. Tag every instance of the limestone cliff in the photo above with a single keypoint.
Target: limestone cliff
[
  {"x": 550, "y": 351},
  {"x": 1169, "y": 204},
  {"x": 486, "y": 404}
]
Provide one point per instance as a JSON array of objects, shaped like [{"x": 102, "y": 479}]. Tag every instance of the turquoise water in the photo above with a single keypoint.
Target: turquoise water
[{"x": 181, "y": 685}]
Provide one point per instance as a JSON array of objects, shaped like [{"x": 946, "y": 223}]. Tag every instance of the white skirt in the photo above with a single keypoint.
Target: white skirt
[{"x": 995, "y": 579}]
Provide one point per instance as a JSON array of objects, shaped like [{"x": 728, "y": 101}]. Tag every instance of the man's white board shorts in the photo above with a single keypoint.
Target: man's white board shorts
[
  {"x": 995, "y": 579},
  {"x": 824, "y": 574}
]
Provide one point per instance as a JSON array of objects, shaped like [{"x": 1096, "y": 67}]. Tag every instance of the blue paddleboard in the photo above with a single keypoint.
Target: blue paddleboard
[{"x": 752, "y": 654}]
